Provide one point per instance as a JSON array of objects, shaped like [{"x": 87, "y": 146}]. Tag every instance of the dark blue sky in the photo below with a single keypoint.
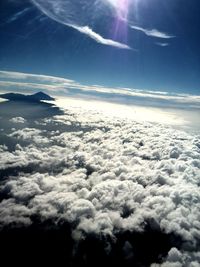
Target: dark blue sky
[{"x": 32, "y": 42}]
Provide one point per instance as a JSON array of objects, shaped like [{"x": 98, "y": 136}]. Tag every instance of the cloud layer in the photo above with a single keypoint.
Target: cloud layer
[
  {"x": 181, "y": 109},
  {"x": 17, "y": 81},
  {"x": 106, "y": 177}
]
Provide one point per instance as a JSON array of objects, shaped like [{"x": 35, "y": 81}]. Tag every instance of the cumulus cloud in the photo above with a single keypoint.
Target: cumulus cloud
[
  {"x": 152, "y": 33},
  {"x": 115, "y": 180},
  {"x": 30, "y": 134},
  {"x": 18, "y": 120}
]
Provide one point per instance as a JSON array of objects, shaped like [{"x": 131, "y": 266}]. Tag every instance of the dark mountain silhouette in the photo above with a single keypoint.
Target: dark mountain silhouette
[
  {"x": 30, "y": 107},
  {"x": 27, "y": 98}
]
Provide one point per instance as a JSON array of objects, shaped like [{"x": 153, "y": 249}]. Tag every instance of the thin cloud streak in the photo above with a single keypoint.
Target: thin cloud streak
[
  {"x": 152, "y": 33},
  {"x": 37, "y": 77},
  {"x": 18, "y": 15},
  {"x": 162, "y": 44},
  {"x": 98, "y": 38}
]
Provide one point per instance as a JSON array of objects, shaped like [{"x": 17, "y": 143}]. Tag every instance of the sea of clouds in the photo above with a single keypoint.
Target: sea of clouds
[{"x": 116, "y": 180}]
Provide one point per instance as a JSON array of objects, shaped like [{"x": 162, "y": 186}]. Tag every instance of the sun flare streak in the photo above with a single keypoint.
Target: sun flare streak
[{"x": 121, "y": 7}]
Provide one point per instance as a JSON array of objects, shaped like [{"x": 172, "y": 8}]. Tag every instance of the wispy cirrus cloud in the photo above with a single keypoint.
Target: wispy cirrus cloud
[
  {"x": 85, "y": 30},
  {"x": 153, "y": 32},
  {"x": 98, "y": 38},
  {"x": 162, "y": 44},
  {"x": 13, "y": 75},
  {"x": 19, "y": 14}
]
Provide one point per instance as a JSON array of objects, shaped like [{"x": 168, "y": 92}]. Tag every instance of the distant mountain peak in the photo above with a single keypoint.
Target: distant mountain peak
[
  {"x": 40, "y": 93},
  {"x": 42, "y": 96}
]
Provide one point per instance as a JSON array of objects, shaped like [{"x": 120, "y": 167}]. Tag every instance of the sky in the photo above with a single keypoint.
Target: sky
[
  {"x": 107, "y": 173},
  {"x": 148, "y": 45}
]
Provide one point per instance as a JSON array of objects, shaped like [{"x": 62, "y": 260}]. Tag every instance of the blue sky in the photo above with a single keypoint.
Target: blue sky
[{"x": 33, "y": 42}]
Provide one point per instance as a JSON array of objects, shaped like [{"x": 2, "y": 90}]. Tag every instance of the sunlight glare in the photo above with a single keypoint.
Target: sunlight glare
[{"x": 135, "y": 113}]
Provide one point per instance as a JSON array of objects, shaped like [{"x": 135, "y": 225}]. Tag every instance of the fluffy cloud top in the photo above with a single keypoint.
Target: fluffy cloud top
[
  {"x": 106, "y": 177},
  {"x": 18, "y": 120}
]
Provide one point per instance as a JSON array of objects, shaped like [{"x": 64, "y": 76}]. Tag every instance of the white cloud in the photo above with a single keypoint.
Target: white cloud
[
  {"x": 35, "y": 77},
  {"x": 18, "y": 15},
  {"x": 107, "y": 176},
  {"x": 18, "y": 120},
  {"x": 84, "y": 29},
  {"x": 98, "y": 38},
  {"x": 29, "y": 134},
  {"x": 152, "y": 33},
  {"x": 163, "y": 44}
]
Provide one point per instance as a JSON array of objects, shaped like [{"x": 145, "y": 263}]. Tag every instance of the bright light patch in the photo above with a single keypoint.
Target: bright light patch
[
  {"x": 121, "y": 7},
  {"x": 131, "y": 113}
]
